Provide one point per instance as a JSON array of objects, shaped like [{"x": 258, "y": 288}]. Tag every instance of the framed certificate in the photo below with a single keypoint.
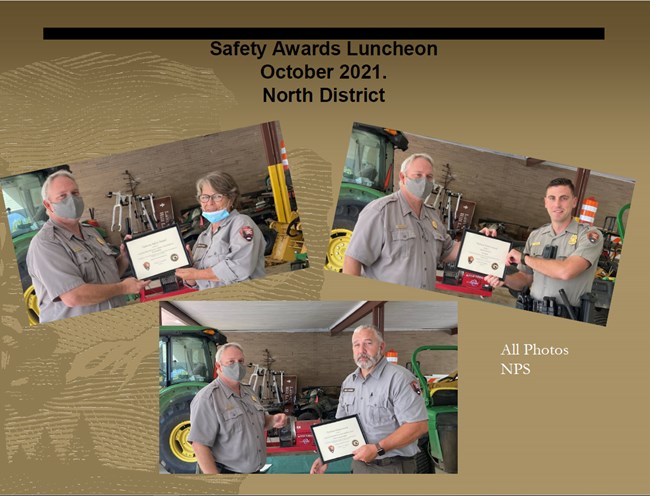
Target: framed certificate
[
  {"x": 483, "y": 254},
  {"x": 157, "y": 253},
  {"x": 339, "y": 438}
]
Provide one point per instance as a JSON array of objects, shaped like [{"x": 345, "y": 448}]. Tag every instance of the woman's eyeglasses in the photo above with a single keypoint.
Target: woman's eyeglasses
[{"x": 206, "y": 198}]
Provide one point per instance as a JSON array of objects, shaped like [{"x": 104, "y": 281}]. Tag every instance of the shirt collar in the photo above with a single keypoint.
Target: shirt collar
[
  {"x": 229, "y": 392},
  {"x": 59, "y": 228},
  {"x": 572, "y": 228},
  {"x": 376, "y": 372},
  {"x": 406, "y": 208},
  {"x": 227, "y": 220}
]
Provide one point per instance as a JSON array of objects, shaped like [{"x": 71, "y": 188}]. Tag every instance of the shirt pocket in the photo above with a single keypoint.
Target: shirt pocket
[
  {"x": 403, "y": 241},
  {"x": 347, "y": 403},
  {"x": 380, "y": 412},
  {"x": 234, "y": 420},
  {"x": 85, "y": 260}
]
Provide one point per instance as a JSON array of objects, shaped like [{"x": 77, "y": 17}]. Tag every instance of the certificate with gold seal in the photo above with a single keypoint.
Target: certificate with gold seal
[
  {"x": 483, "y": 254},
  {"x": 157, "y": 253},
  {"x": 337, "y": 439}
]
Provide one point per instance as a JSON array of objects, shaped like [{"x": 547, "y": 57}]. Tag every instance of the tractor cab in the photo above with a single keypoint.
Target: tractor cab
[
  {"x": 25, "y": 212},
  {"x": 187, "y": 356},
  {"x": 368, "y": 174}
]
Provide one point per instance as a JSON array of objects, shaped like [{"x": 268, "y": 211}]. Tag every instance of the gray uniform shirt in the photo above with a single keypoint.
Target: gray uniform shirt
[
  {"x": 384, "y": 401},
  {"x": 576, "y": 240},
  {"x": 232, "y": 426},
  {"x": 394, "y": 245},
  {"x": 235, "y": 252},
  {"x": 58, "y": 262}
]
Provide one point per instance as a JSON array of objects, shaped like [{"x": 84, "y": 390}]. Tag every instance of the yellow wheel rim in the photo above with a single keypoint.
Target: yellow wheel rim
[
  {"x": 178, "y": 443},
  {"x": 31, "y": 304},
  {"x": 339, "y": 241}
]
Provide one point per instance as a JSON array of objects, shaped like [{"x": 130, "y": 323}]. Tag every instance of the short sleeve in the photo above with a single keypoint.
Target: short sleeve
[
  {"x": 409, "y": 405},
  {"x": 368, "y": 236},
  {"x": 53, "y": 266},
  {"x": 590, "y": 245},
  {"x": 204, "y": 425},
  {"x": 246, "y": 247}
]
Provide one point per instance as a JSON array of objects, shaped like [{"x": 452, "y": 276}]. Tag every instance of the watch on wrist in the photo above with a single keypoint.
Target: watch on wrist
[
  {"x": 523, "y": 259},
  {"x": 380, "y": 450}
]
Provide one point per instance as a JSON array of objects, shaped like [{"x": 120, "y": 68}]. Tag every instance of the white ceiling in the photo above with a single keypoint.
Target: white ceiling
[{"x": 312, "y": 316}]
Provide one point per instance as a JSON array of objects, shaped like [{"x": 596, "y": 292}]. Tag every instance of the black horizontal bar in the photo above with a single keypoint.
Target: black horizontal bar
[{"x": 303, "y": 33}]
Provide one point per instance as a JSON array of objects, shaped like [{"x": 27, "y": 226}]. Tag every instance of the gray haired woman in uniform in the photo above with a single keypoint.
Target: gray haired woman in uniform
[{"x": 231, "y": 249}]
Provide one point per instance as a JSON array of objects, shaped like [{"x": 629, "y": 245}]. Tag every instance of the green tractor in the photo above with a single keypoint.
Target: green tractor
[
  {"x": 26, "y": 215},
  {"x": 368, "y": 174},
  {"x": 187, "y": 356},
  {"x": 441, "y": 445}
]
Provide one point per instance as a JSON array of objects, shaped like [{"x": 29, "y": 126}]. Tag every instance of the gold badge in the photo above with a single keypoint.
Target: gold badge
[
  {"x": 434, "y": 224},
  {"x": 253, "y": 397},
  {"x": 400, "y": 226},
  {"x": 536, "y": 243},
  {"x": 573, "y": 239},
  {"x": 100, "y": 241}
]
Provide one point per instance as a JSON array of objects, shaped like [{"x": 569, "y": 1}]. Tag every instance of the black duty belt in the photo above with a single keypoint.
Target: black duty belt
[
  {"x": 382, "y": 462},
  {"x": 547, "y": 306},
  {"x": 225, "y": 470}
]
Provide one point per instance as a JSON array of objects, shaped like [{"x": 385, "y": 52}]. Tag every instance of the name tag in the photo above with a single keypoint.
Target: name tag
[
  {"x": 348, "y": 390},
  {"x": 201, "y": 245},
  {"x": 536, "y": 243}
]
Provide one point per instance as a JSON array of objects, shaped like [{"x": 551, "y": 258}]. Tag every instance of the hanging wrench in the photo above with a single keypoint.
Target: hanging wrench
[
  {"x": 129, "y": 220},
  {"x": 460, "y": 195},
  {"x": 117, "y": 209},
  {"x": 146, "y": 220},
  {"x": 153, "y": 212}
]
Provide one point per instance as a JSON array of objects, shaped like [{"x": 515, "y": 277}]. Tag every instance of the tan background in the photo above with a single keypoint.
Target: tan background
[{"x": 79, "y": 397}]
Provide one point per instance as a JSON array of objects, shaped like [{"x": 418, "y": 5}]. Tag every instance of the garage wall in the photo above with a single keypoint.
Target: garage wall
[
  {"x": 172, "y": 170},
  {"x": 319, "y": 359},
  {"x": 505, "y": 188}
]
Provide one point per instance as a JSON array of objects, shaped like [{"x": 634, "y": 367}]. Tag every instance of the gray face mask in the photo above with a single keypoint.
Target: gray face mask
[
  {"x": 420, "y": 188},
  {"x": 234, "y": 372},
  {"x": 72, "y": 207}
]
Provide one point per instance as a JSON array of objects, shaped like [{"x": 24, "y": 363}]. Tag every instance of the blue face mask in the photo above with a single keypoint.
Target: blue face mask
[{"x": 217, "y": 216}]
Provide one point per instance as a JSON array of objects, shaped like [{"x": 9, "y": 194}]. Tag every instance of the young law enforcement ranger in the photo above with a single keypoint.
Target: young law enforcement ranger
[
  {"x": 73, "y": 270},
  {"x": 399, "y": 238},
  {"x": 391, "y": 410},
  {"x": 227, "y": 420},
  {"x": 562, "y": 255}
]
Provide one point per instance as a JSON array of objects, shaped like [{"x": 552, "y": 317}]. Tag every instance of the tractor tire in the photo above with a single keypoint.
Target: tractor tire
[
  {"x": 176, "y": 454},
  {"x": 423, "y": 462},
  {"x": 344, "y": 221},
  {"x": 31, "y": 305}
]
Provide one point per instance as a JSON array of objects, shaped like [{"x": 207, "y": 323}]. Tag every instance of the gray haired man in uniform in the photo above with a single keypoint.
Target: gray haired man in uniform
[
  {"x": 391, "y": 410},
  {"x": 577, "y": 249},
  {"x": 227, "y": 420},
  {"x": 399, "y": 238},
  {"x": 73, "y": 270}
]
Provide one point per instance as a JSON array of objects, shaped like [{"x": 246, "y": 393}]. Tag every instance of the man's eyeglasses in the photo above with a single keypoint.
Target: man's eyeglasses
[{"x": 206, "y": 198}]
